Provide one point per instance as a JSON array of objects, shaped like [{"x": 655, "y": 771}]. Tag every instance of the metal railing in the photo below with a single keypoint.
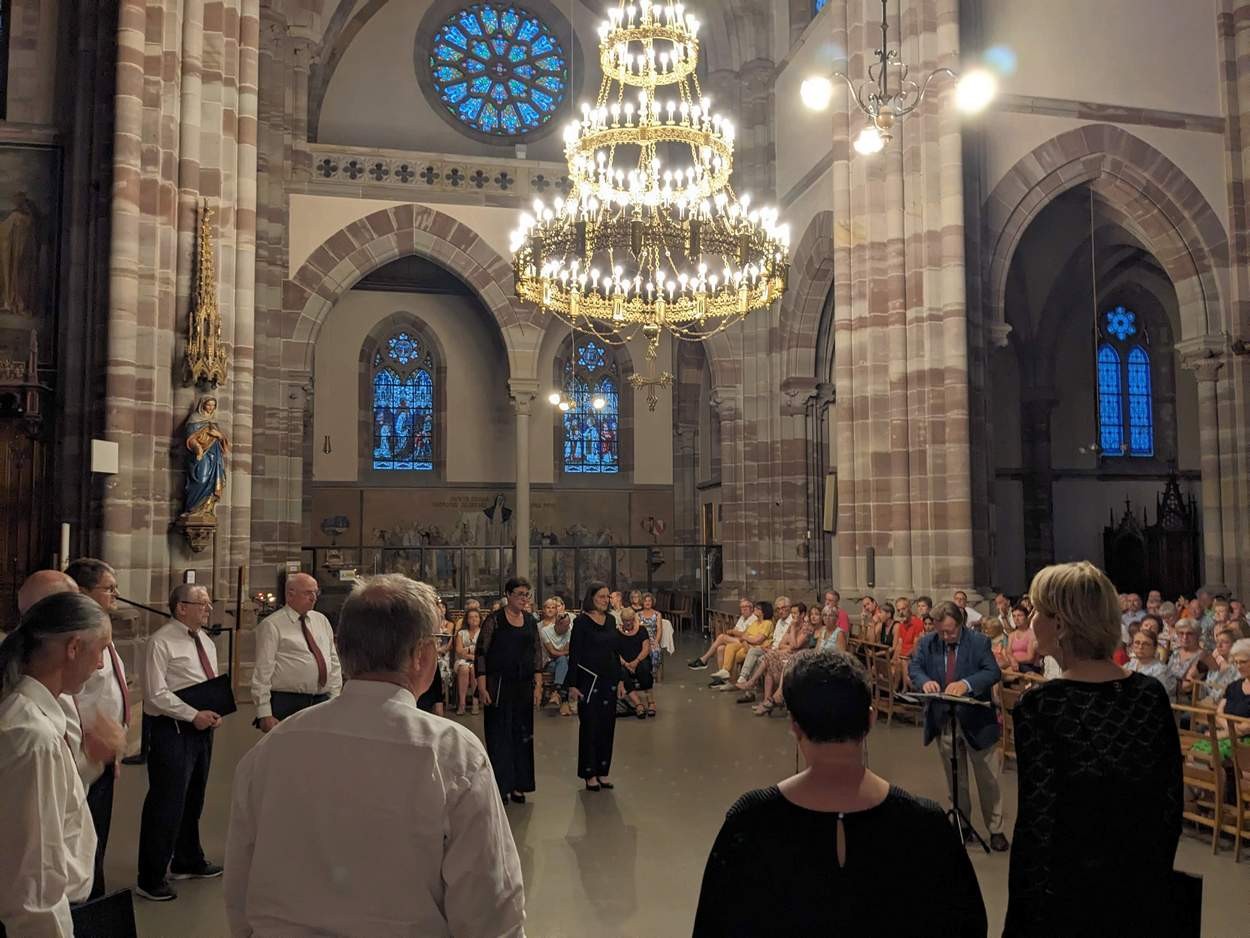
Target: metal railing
[{"x": 460, "y": 573}]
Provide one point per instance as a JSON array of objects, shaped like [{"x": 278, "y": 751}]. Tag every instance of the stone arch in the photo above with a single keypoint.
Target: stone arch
[
  {"x": 811, "y": 277},
  {"x": 366, "y": 244},
  {"x": 1142, "y": 189}
]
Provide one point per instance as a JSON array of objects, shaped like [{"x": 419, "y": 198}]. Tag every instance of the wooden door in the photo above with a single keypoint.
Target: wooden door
[{"x": 25, "y": 511}]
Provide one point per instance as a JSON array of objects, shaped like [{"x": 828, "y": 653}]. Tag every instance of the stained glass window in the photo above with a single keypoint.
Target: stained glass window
[
  {"x": 818, "y": 5},
  {"x": 591, "y": 435},
  {"x": 499, "y": 69},
  {"x": 1110, "y": 409},
  {"x": 1141, "y": 427},
  {"x": 403, "y": 404},
  {"x": 1125, "y": 408}
]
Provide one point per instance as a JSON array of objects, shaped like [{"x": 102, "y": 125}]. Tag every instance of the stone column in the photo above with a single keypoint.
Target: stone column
[
  {"x": 1039, "y": 496},
  {"x": 724, "y": 400},
  {"x": 901, "y": 349},
  {"x": 523, "y": 392},
  {"x": 1206, "y": 366}
]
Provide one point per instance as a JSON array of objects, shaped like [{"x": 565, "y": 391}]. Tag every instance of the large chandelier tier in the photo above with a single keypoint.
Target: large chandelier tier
[{"x": 651, "y": 237}]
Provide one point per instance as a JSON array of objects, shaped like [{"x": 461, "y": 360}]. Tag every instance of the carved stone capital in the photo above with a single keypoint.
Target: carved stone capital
[
  {"x": 523, "y": 392},
  {"x": 998, "y": 332},
  {"x": 724, "y": 401},
  {"x": 1204, "y": 355},
  {"x": 795, "y": 395}
]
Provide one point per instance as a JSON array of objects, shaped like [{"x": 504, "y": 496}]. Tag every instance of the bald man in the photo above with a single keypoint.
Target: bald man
[
  {"x": 42, "y": 584},
  {"x": 297, "y": 664}
]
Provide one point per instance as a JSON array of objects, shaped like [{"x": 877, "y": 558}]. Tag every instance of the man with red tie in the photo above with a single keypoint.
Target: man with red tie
[
  {"x": 177, "y": 656},
  {"x": 103, "y": 707},
  {"x": 297, "y": 664}
]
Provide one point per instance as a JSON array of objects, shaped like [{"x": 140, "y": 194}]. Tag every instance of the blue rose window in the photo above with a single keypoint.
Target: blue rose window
[{"x": 499, "y": 69}]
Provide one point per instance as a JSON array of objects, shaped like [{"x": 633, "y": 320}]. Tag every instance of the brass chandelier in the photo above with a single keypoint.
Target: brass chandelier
[{"x": 652, "y": 237}]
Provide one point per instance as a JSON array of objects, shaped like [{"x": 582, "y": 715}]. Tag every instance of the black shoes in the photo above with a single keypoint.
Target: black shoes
[
  {"x": 590, "y": 787},
  {"x": 998, "y": 843},
  {"x": 207, "y": 871},
  {"x": 161, "y": 893},
  {"x": 697, "y": 664},
  {"x": 518, "y": 797}
]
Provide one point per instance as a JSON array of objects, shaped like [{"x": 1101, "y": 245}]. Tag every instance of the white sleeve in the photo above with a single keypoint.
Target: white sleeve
[
  {"x": 481, "y": 869},
  {"x": 262, "y": 672},
  {"x": 33, "y": 867},
  {"x": 155, "y": 689},
  {"x": 240, "y": 842},
  {"x": 335, "y": 683}
]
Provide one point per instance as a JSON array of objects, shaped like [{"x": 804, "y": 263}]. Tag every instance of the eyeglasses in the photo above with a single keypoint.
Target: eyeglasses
[
  {"x": 521, "y": 594},
  {"x": 188, "y": 602}
]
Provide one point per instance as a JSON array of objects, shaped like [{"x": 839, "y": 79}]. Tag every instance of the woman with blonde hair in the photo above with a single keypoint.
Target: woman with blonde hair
[{"x": 1069, "y": 848}]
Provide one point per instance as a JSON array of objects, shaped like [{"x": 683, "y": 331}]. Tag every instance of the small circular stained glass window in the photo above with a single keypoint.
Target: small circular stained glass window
[{"x": 499, "y": 69}]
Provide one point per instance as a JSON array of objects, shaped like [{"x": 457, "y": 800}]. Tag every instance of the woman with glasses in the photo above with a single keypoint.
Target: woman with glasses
[
  {"x": 509, "y": 667},
  {"x": 1186, "y": 654},
  {"x": 1144, "y": 648}
]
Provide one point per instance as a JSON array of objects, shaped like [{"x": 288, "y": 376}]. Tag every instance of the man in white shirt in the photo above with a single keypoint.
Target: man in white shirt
[
  {"x": 733, "y": 637},
  {"x": 367, "y": 816},
  {"x": 297, "y": 664},
  {"x": 555, "y": 639},
  {"x": 783, "y": 616},
  {"x": 46, "y": 830},
  {"x": 103, "y": 707},
  {"x": 177, "y": 656},
  {"x": 970, "y": 614}
]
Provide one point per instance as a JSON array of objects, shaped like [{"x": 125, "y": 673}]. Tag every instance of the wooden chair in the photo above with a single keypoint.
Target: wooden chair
[
  {"x": 682, "y": 612},
  {"x": 1202, "y": 773},
  {"x": 1239, "y": 824},
  {"x": 882, "y": 673},
  {"x": 1009, "y": 696}
]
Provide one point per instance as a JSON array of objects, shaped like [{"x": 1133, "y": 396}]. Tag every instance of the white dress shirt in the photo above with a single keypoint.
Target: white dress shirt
[
  {"x": 743, "y": 622},
  {"x": 366, "y": 816},
  {"x": 171, "y": 663},
  {"x": 49, "y": 841},
  {"x": 102, "y": 694},
  {"x": 284, "y": 663}
]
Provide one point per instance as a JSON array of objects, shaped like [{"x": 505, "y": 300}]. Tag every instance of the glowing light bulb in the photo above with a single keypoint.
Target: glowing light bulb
[
  {"x": 598, "y": 403},
  {"x": 816, "y": 92},
  {"x": 869, "y": 141},
  {"x": 975, "y": 91},
  {"x": 554, "y": 399}
]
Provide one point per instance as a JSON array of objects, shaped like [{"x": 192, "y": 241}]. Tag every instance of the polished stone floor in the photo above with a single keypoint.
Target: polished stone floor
[{"x": 629, "y": 862}]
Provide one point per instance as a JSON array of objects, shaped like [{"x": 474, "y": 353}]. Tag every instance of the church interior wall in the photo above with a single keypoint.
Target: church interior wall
[
  {"x": 378, "y": 68},
  {"x": 1109, "y": 52},
  {"x": 34, "y": 51},
  {"x": 480, "y": 442}
]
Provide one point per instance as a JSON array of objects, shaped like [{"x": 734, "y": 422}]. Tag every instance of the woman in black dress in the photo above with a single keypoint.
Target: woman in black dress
[
  {"x": 594, "y": 683},
  {"x": 1090, "y": 740},
  {"x": 830, "y": 832},
  {"x": 634, "y": 648},
  {"x": 509, "y": 666}
]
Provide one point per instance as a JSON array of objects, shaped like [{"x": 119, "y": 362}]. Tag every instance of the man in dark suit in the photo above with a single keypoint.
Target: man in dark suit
[{"x": 955, "y": 660}]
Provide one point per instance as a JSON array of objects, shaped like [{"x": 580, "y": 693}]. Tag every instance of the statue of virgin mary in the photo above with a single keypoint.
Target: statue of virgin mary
[{"x": 207, "y": 447}]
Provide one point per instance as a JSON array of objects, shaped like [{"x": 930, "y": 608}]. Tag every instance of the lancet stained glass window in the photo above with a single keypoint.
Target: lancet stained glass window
[
  {"x": 403, "y": 404},
  {"x": 499, "y": 69},
  {"x": 1125, "y": 388},
  {"x": 1110, "y": 408},
  {"x": 1141, "y": 425},
  {"x": 591, "y": 441}
]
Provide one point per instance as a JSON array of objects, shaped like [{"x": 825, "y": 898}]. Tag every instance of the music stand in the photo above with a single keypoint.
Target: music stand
[{"x": 955, "y": 814}]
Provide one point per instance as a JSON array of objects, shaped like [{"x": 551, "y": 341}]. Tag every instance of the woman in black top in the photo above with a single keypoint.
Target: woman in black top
[
  {"x": 634, "y": 648},
  {"x": 1090, "y": 740},
  {"x": 839, "y": 827},
  {"x": 594, "y": 679},
  {"x": 509, "y": 665}
]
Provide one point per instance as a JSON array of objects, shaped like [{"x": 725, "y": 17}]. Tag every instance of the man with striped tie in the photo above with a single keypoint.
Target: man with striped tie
[
  {"x": 103, "y": 707},
  {"x": 297, "y": 664},
  {"x": 177, "y": 656}
]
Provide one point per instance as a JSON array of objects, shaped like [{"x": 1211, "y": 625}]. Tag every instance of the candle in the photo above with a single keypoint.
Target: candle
[{"x": 64, "y": 556}]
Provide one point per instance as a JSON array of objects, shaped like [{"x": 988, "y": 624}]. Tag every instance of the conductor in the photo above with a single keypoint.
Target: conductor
[{"x": 958, "y": 661}]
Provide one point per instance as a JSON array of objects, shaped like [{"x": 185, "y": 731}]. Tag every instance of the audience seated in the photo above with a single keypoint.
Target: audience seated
[
  {"x": 759, "y": 632},
  {"x": 752, "y": 664},
  {"x": 466, "y": 651},
  {"x": 732, "y": 637},
  {"x": 1184, "y": 655},
  {"x": 1144, "y": 660},
  {"x": 554, "y": 634},
  {"x": 1022, "y": 644},
  {"x": 797, "y": 637},
  {"x": 1221, "y": 669},
  {"x": 634, "y": 649}
]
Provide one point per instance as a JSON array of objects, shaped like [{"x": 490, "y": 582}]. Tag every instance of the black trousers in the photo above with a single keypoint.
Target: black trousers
[
  {"x": 509, "y": 725},
  {"x": 100, "y": 804},
  {"x": 285, "y": 703},
  {"x": 178, "y": 763},
  {"x": 641, "y": 679},
  {"x": 596, "y": 730}
]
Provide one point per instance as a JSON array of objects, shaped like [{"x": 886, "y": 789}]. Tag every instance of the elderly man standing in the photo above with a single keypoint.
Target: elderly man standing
[
  {"x": 177, "y": 656},
  {"x": 297, "y": 664},
  {"x": 103, "y": 707},
  {"x": 401, "y": 830}
]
